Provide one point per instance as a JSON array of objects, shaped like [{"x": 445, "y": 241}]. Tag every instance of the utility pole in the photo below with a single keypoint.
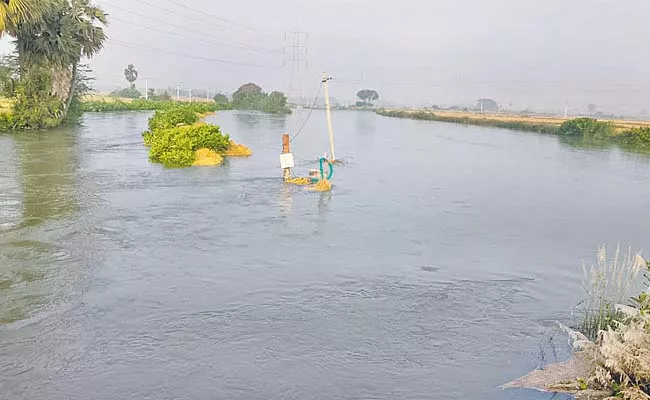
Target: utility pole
[
  {"x": 190, "y": 95},
  {"x": 329, "y": 114},
  {"x": 146, "y": 89}
]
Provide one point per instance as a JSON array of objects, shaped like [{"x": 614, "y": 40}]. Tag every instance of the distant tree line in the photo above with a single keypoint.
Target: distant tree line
[{"x": 251, "y": 97}]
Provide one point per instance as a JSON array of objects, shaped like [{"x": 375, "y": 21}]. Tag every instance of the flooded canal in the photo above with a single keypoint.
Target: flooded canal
[{"x": 434, "y": 269}]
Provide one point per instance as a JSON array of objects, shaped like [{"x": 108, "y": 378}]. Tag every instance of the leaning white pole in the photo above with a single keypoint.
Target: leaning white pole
[{"x": 329, "y": 115}]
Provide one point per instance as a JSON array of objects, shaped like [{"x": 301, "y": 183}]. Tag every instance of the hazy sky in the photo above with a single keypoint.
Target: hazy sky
[{"x": 528, "y": 53}]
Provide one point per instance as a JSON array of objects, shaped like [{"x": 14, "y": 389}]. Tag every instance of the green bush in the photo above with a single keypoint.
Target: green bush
[
  {"x": 172, "y": 118},
  {"x": 6, "y": 122},
  {"x": 586, "y": 127},
  {"x": 175, "y": 147},
  {"x": 35, "y": 107},
  {"x": 636, "y": 137}
]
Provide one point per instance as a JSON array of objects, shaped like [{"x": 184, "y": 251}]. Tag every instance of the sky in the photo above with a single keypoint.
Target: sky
[{"x": 537, "y": 54}]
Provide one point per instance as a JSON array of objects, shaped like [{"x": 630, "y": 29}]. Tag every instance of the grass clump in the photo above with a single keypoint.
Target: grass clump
[
  {"x": 206, "y": 157},
  {"x": 612, "y": 358},
  {"x": 237, "y": 150},
  {"x": 606, "y": 285},
  {"x": 177, "y": 147}
]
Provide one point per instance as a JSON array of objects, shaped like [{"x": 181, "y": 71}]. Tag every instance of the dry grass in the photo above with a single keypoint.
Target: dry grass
[
  {"x": 237, "y": 150},
  {"x": 207, "y": 157},
  {"x": 300, "y": 181},
  {"x": 621, "y": 359},
  {"x": 619, "y": 125},
  {"x": 106, "y": 98},
  {"x": 616, "y": 363},
  {"x": 321, "y": 186}
]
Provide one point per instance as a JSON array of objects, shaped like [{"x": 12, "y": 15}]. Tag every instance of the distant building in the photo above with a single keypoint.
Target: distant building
[{"x": 487, "y": 105}]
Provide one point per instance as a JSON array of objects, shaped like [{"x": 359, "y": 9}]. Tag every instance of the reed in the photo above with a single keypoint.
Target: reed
[{"x": 607, "y": 284}]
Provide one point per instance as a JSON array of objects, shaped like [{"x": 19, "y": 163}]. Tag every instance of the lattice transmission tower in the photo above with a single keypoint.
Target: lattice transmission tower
[{"x": 295, "y": 59}]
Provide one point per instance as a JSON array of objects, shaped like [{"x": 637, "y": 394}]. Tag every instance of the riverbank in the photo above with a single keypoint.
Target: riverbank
[
  {"x": 540, "y": 124},
  {"x": 119, "y": 104},
  {"x": 630, "y": 135}
]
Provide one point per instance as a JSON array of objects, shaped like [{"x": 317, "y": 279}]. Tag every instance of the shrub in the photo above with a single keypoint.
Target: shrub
[
  {"x": 636, "y": 137},
  {"x": 172, "y": 118},
  {"x": 176, "y": 147},
  {"x": 6, "y": 122},
  {"x": 586, "y": 127},
  {"x": 35, "y": 107}
]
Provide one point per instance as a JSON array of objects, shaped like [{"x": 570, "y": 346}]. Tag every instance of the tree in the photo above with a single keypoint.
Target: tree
[
  {"x": 487, "y": 105},
  {"x": 248, "y": 97},
  {"x": 275, "y": 103},
  {"x": 8, "y": 76},
  {"x": 13, "y": 13},
  {"x": 131, "y": 74},
  {"x": 251, "y": 97},
  {"x": 367, "y": 96},
  {"x": 221, "y": 98},
  {"x": 66, "y": 32}
]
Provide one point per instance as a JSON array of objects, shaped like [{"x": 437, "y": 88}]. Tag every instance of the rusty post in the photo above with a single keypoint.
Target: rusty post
[
  {"x": 285, "y": 143},
  {"x": 286, "y": 148}
]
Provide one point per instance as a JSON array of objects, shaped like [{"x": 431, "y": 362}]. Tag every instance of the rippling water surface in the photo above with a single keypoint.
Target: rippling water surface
[{"x": 434, "y": 269}]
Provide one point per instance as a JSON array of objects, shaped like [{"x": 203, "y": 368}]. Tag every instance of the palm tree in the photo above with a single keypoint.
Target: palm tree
[
  {"x": 131, "y": 74},
  {"x": 16, "y": 12},
  {"x": 72, "y": 30}
]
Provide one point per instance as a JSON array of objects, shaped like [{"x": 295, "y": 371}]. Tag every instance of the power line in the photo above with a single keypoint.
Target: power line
[
  {"x": 170, "y": 52},
  {"x": 313, "y": 106},
  {"x": 490, "y": 83},
  {"x": 224, "y": 20},
  {"x": 166, "y": 32},
  {"x": 184, "y": 28}
]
